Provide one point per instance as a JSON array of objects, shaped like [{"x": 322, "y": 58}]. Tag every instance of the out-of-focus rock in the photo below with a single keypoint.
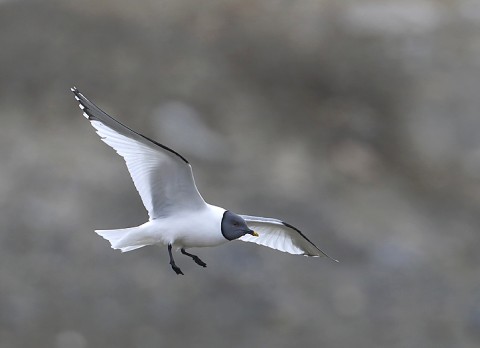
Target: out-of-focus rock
[{"x": 178, "y": 123}]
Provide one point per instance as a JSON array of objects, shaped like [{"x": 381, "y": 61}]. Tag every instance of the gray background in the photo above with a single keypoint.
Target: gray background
[{"x": 357, "y": 121}]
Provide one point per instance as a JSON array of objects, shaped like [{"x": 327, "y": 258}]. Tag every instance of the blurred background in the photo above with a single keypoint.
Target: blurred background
[{"x": 357, "y": 121}]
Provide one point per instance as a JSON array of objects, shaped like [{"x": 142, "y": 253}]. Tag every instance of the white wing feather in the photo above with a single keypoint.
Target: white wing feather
[
  {"x": 279, "y": 235},
  {"x": 163, "y": 178}
]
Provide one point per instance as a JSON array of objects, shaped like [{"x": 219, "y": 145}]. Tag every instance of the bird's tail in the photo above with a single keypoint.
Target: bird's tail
[{"x": 125, "y": 239}]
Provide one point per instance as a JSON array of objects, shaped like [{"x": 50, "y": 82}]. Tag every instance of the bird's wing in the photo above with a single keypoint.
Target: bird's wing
[
  {"x": 163, "y": 177},
  {"x": 280, "y": 235}
]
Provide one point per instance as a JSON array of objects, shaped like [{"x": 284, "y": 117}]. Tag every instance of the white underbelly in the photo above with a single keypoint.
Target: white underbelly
[{"x": 189, "y": 230}]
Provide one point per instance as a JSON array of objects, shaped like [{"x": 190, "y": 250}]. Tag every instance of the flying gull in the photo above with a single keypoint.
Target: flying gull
[{"x": 178, "y": 216}]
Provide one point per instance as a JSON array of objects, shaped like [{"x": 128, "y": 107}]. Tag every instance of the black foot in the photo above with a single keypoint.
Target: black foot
[
  {"x": 177, "y": 269},
  {"x": 199, "y": 262},
  {"x": 172, "y": 262},
  {"x": 194, "y": 257}
]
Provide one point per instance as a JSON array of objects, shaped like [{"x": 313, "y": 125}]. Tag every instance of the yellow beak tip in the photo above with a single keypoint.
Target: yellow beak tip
[{"x": 255, "y": 234}]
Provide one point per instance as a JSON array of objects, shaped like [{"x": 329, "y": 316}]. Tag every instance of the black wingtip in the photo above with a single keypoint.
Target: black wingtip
[
  {"x": 81, "y": 103},
  {"x": 300, "y": 232},
  {"x": 76, "y": 92}
]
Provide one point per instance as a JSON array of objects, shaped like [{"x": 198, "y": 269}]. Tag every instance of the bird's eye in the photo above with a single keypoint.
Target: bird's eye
[{"x": 236, "y": 224}]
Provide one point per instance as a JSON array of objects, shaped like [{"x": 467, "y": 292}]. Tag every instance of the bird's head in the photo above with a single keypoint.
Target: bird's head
[{"x": 233, "y": 226}]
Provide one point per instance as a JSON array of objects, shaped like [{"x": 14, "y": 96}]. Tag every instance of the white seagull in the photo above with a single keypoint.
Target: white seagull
[{"x": 178, "y": 215}]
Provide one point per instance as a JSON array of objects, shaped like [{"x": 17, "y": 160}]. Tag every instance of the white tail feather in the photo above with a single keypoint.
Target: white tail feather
[{"x": 125, "y": 239}]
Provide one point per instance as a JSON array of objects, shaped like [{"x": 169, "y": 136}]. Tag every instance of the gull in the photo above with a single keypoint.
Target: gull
[{"x": 178, "y": 216}]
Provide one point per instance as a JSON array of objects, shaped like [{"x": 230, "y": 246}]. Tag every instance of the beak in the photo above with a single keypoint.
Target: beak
[{"x": 253, "y": 233}]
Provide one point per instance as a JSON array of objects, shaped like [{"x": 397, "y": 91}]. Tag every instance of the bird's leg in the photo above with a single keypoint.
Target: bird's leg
[
  {"x": 194, "y": 257},
  {"x": 172, "y": 261}
]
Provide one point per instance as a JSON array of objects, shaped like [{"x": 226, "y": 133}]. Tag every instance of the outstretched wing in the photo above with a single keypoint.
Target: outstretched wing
[
  {"x": 163, "y": 177},
  {"x": 280, "y": 235}
]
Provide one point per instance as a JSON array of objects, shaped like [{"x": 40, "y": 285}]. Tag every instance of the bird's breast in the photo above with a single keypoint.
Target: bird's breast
[{"x": 195, "y": 229}]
